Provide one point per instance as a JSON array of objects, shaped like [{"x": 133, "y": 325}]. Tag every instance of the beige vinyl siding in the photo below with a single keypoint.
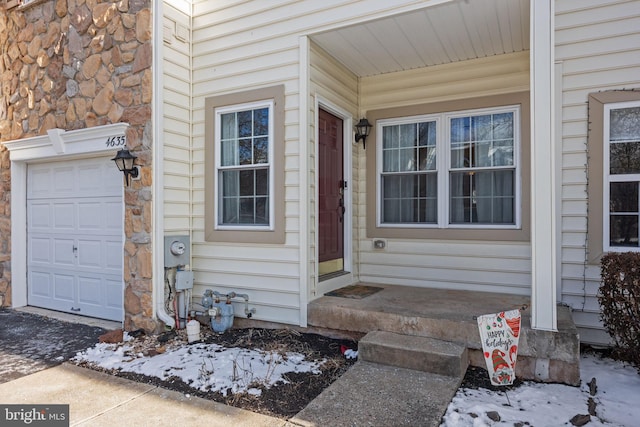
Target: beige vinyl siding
[
  {"x": 225, "y": 62},
  {"x": 458, "y": 80},
  {"x": 468, "y": 265},
  {"x": 333, "y": 84},
  {"x": 176, "y": 95},
  {"x": 240, "y": 46},
  {"x": 598, "y": 47}
]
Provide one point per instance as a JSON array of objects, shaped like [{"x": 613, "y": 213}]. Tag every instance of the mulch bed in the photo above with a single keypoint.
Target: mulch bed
[{"x": 282, "y": 400}]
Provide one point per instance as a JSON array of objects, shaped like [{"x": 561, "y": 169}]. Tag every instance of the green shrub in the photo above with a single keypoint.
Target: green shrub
[{"x": 619, "y": 298}]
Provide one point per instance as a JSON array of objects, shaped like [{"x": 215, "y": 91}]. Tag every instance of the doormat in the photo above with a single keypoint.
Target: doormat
[{"x": 354, "y": 291}]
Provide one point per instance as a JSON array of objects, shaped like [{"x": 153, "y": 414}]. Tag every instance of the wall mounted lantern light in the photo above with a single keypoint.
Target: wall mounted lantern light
[
  {"x": 124, "y": 161},
  {"x": 363, "y": 128}
]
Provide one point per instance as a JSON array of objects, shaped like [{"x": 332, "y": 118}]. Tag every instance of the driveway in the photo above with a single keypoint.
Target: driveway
[{"x": 30, "y": 342}]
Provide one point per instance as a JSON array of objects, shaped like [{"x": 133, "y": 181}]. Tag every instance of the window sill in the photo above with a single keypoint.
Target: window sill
[{"x": 458, "y": 233}]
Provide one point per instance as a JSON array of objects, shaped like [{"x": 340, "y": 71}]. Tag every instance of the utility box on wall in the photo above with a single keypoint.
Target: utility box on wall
[
  {"x": 184, "y": 280},
  {"x": 176, "y": 251}
]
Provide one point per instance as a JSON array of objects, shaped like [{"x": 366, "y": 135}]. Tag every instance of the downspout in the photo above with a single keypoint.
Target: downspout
[{"x": 158, "y": 179}]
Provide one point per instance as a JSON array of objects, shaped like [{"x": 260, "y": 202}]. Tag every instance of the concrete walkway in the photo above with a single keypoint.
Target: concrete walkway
[
  {"x": 370, "y": 394},
  {"x": 102, "y": 400}
]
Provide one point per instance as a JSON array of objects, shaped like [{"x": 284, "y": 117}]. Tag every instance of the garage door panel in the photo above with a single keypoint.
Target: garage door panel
[
  {"x": 113, "y": 256},
  {"x": 39, "y": 182},
  {"x": 63, "y": 253},
  {"x": 63, "y": 180},
  {"x": 63, "y": 287},
  {"x": 40, "y": 250},
  {"x": 90, "y": 179},
  {"x": 75, "y": 234},
  {"x": 90, "y": 290},
  {"x": 113, "y": 216},
  {"x": 113, "y": 294},
  {"x": 90, "y": 253},
  {"x": 40, "y": 284},
  {"x": 39, "y": 215},
  {"x": 64, "y": 217},
  {"x": 90, "y": 214}
]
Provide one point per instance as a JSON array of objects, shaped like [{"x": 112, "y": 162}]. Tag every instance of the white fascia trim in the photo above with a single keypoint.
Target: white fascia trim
[{"x": 59, "y": 143}]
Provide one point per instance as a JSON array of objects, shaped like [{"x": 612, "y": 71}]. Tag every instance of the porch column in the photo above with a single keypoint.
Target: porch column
[{"x": 543, "y": 176}]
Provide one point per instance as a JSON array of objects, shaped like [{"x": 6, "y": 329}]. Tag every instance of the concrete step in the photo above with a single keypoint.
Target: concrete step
[{"x": 414, "y": 352}]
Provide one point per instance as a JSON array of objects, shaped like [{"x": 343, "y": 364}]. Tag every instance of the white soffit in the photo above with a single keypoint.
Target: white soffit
[{"x": 456, "y": 31}]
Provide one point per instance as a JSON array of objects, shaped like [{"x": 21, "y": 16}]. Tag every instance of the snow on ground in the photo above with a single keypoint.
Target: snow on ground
[
  {"x": 617, "y": 400},
  {"x": 216, "y": 368},
  {"x": 205, "y": 367}
]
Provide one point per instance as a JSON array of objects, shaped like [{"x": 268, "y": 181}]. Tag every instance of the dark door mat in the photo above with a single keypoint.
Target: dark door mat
[{"x": 354, "y": 291}]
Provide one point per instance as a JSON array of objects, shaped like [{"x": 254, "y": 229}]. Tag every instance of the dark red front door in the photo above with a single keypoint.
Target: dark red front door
[{"x": 331, "y": 191}]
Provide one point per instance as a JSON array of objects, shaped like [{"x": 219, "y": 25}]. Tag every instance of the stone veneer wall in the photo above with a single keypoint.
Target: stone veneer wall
[{"x": 73, "y": 64}]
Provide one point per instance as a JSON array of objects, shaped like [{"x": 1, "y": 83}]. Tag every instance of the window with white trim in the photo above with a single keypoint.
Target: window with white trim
[
  {"x": 621, "y": 176},
  {"x": 244, "y": 172},
  {"x": 450, "y": 170}
]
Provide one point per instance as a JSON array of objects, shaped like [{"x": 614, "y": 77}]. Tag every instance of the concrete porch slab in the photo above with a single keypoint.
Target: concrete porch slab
[{"x": 450, "y": 315}]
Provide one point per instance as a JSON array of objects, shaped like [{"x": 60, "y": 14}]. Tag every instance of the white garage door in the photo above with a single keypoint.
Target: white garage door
[{"x": 74, "y": 231}]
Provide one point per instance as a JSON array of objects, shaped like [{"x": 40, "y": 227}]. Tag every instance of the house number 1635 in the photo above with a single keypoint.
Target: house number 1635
[{"x": 116, "y": 141}]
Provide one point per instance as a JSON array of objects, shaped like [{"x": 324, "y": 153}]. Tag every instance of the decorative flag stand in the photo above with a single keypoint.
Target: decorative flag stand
[{"x": 499, "y": 333}]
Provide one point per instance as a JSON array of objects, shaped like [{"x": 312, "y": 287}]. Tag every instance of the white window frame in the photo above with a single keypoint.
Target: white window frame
[
  {"x": 443, "y": 167},
  {"x": 219, "y": 111},
  {"x": 608, "y": 178},
  {"x": 380, "y": 162}
]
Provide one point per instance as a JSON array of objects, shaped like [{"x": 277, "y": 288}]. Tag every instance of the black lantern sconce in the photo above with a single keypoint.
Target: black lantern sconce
[
  {"x": 124, "y": 161},
  {"x": 363, "y": 128}
]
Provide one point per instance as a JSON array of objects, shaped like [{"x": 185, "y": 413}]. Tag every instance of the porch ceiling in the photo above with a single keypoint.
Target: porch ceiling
[{"x": 455, "y": 31}]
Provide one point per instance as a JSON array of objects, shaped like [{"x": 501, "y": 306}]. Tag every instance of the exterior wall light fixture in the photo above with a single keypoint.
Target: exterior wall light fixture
[
  {"x": 363, "y": 128},
  {"x": 125, "y": 162}
]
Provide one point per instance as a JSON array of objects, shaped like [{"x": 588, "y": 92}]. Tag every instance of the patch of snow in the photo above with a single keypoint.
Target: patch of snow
[
  {"x": 351, "y": 354},
  {"x": 206, "y": 367},
  {"x": 537, "y": 404},
  {"x": 618, "y": 393}
]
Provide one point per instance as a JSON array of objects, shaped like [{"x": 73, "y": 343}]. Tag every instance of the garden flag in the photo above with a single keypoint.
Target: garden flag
[{"x": 499, "y": 333}]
